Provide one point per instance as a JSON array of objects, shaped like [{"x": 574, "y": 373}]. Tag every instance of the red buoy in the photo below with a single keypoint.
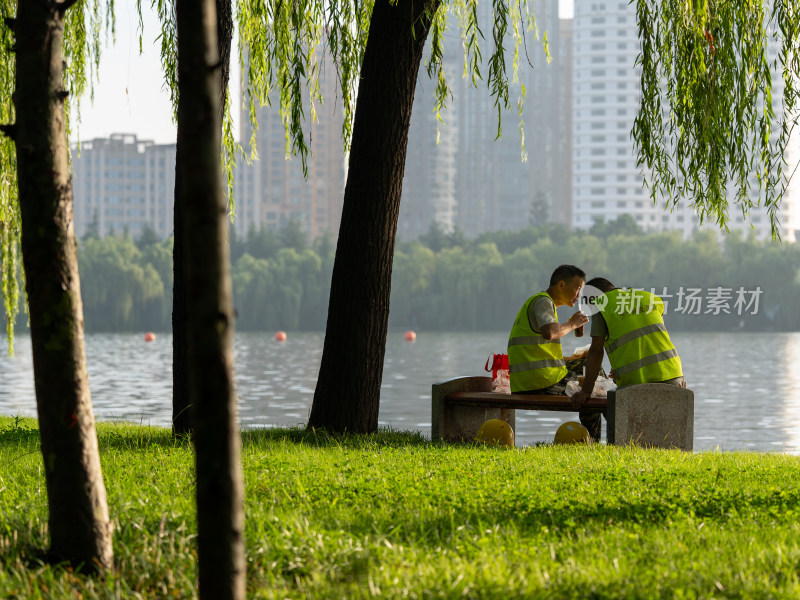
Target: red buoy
[
  {"x": 149, "y": 336},
  {"x": 280, "y": 336},
  {"x": 410, "y": 336}
]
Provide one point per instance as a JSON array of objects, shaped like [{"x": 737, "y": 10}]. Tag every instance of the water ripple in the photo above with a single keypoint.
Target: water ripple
[{"x": 745, "y": 396}]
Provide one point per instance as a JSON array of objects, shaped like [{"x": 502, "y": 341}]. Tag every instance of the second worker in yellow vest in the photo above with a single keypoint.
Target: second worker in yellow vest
[{"x": 631, "y": 328}]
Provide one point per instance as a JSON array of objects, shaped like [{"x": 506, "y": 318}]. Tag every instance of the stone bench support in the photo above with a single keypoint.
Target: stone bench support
[{"x": 652, "y": 415}]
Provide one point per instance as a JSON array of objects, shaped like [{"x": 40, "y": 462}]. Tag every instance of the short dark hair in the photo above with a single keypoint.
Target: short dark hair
[
  {"x": 602, "y": 284},
  {"x": 566, "y": 273}
]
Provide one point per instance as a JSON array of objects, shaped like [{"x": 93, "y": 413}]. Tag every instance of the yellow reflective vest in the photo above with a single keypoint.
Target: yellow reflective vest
[
  {"x": 533, "y": 362},
  {"x": 638, "y": 344}
]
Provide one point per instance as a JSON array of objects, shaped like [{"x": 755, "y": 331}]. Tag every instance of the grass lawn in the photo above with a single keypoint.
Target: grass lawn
[{"x": 393, "y": 515}]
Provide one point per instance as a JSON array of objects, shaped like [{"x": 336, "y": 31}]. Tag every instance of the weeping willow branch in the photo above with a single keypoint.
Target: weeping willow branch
[
  {"x": 85, "y": 26},
  {"x": 710, "y": 128}
]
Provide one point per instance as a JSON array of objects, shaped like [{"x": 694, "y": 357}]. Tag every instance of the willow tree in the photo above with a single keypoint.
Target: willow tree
[{"x": 79, "y": 526}]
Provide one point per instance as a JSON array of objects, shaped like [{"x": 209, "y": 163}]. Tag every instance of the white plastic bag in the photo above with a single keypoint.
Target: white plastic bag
[
  {"x": 572, "y": 387},
  {"x": 600, "y": 390},
  {"x": 602, "y": 386},
  {"x": 580, "y": 352},
  {"x": 501, "y": 383}
]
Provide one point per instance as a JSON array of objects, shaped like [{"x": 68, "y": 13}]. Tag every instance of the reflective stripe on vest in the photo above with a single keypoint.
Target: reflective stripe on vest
[
  {"x": 638, "y": 344},
  {"x": 534, "y": 362}
]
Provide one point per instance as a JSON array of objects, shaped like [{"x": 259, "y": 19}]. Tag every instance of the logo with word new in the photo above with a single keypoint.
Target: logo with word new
[{"x": 592, "y": 300}]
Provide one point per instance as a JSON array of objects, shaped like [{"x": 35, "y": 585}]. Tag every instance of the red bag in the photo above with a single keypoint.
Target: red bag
[{"x": 499, "y": 361}]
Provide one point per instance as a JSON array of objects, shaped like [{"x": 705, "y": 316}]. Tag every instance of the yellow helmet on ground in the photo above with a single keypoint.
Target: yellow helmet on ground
[
  {"x": 572, "y": 433},
  {"x": 496, "y": 432}
]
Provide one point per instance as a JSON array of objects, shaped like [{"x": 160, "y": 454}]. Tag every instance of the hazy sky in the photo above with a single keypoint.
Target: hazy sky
[{"x": 130, "y": 95}]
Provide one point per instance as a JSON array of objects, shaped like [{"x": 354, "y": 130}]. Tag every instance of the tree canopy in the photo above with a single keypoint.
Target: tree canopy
[
  {"x": 707, "y": 120},
  {"x": 719, "y": 84}
]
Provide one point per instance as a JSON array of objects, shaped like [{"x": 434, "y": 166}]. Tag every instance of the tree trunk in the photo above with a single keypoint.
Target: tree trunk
[
  {"x": 80, "y": 531},
  {"x": 181, "y": 422},
  {"x": 220, "y": 516},
  {"x": 348, "y": 388}
]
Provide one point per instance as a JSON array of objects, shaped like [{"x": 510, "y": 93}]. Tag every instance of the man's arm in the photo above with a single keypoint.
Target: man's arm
[
  {"x": 593, "y": 362},
  {"x": 555, "y": 331}
]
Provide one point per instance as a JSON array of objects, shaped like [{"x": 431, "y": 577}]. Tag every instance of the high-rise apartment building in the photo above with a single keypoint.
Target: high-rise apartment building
[
  {"x": 606, "y": 180},
  {"x": 548, "y": 120},
  {"x": 272, "y": 190},
  {"x": 123, "y": 184},
  {"x": 471, "y": 179},
  {"x": 430, "y": 175}
]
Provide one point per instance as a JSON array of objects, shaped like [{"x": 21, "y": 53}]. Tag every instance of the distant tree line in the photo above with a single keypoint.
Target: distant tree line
[{"x": 446, "y": 282}]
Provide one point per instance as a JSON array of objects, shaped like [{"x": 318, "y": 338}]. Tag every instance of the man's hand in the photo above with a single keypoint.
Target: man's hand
[
  {"x": 578, "y": 319},
  {"x": 578, "y": 398}
]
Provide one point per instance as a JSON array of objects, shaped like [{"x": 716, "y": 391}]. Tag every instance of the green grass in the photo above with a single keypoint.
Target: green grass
[{"x": 393, "y": 515}]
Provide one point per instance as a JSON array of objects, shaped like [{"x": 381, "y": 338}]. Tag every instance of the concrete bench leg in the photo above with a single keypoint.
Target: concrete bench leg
[
  {"x": 461, "y": 423},
  {"x": 652, "y": 415}
]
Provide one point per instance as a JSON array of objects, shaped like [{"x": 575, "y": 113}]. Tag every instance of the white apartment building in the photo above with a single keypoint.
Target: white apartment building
[
  {"x": 123, "y": 184},
  {"x": 606, "y": 180}
]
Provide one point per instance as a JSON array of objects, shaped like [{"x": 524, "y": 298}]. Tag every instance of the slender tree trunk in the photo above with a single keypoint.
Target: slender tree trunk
[
  {"x": 80, "y": 531},
  {"x": 220, "y": 516},
  {"x": 348, "y": 388},
  {"x": 181, "y": 422}
]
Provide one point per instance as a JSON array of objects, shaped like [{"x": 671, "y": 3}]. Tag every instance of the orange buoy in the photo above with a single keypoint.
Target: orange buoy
[
  {"x": 410, "y": 336},
  {"x": 280, "y": 336},
  {"x": 149, "y": 336}
]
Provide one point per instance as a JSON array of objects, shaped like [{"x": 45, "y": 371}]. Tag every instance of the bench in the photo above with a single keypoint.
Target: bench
[{"x": 650, "y": 414}]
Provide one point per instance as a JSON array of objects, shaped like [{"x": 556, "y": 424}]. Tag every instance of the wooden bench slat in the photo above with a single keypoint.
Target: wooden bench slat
[{"x": 520, "y": 401}]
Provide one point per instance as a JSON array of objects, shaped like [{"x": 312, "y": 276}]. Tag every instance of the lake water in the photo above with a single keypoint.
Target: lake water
[{"x": 745, "y": 395}]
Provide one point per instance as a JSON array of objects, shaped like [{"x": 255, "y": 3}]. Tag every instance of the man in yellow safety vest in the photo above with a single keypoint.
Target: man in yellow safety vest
[
  {"x": 536, "y": 363},
  {"x": 631, "y": 328}
]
